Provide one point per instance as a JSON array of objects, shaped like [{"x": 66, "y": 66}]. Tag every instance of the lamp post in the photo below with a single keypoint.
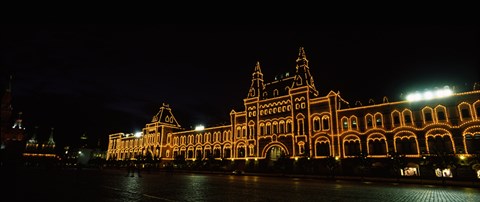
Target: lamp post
[{"x": 424, "y": 162}]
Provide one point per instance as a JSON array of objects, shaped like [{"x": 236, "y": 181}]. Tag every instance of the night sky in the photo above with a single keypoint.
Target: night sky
[{"x": 102, "y": 79}]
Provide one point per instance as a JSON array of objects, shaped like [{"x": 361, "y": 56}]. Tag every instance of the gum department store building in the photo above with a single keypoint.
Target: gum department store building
[{"x": 289, "y": 117}]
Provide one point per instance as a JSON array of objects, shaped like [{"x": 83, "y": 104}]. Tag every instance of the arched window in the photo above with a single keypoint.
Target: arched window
[
  {"x": 353, "y": 123},
  {"x": 325, "y": 122},
  {"x": 472, "y": 142},
  {"x": 427, "y": 115},
  {"x": 251, "y": 130},
  {"x": 268, "y": 128},
  {"x": 300, "y": 126},
  {"x": 464, "y": 111},
  {"x": 322, "y": 148},
  {"x": 275, "y": 127},
  {"x": 262, "y": 129},
  {"x": 239, "y": 131},
  {"x": 344, "y": 123},
  {"x": 241, "y": 151},
  {"x": 244, "y": 131},
  {"x": 378, "y": 120},
  {"x": 289, "y": 126},
  {"x": 316, "y": 123},
  {"x": 369, "y": 121},
  {"x": 407, "y": 117},
  {"x": 396, "y": 119},
  {"x": 441, "y": 113},
  {"x": 281, "y": 127},
  {"x": 301, "y": 147}
]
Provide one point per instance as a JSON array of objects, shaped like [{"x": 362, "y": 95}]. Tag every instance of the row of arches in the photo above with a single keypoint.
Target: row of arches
[
  {"x": 406, "y": 117},
  {"x": 404, "y": 142}
]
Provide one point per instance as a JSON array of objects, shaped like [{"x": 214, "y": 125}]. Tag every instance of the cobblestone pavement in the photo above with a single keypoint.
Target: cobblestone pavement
[{"x": 116, "y": 185}]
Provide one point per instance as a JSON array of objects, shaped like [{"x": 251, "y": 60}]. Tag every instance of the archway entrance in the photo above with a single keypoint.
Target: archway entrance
[{"x": 273, "y": 154}]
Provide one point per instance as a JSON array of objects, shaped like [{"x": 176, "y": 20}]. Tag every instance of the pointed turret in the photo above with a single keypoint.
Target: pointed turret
[
  {"x": 302, "y": 75},
  {"x": 6, "y": 108},
  {"x": 18, "y": 122},
  {"x": 50, "y": 139},
  {"x": 32, "y": 144},
  {"x": 165, "y": 116},
  {"x": 257, "y": 85},
  {"x": 49, "y": 146}
]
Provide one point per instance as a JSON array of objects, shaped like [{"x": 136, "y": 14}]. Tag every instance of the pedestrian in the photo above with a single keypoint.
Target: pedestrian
[
  {"x": 138, "y": 168},
  {"x": 130, "y": 169}
]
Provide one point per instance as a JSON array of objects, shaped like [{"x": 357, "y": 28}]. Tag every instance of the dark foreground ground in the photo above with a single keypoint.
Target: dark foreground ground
[{"x": 116, "y": 185}]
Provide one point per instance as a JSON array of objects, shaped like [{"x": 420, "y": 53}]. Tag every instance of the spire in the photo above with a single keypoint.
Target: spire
[
  {"x": 302, "y": 75},
  {"x": 6, "y": 105},
  {"x": 257, "y": 67},
  {"x": 50, "y": 139},
  {"x": 257, "y": 85},
  {"x": 32, "y": 143},
  {"x": 18, "y": 122},
  {"x": 33, "y": 139},
  {"x": 302, "y": 58}
]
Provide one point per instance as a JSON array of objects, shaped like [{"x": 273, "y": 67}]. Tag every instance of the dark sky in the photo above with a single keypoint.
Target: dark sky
[{"x": 102, "y": 79}]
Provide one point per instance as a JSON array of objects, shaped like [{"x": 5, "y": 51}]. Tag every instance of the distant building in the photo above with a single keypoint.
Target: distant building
[
  {"x": 288, "y": 117},
  {"x": 15, "y": 148},
  {"x": 12, "y": 132},
  {"x": 89, "y": 155},
  {"x": 40, "y": 153}
]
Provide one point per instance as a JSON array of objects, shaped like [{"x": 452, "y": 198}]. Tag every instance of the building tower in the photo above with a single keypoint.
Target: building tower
[{"x": 12, "y": 137}]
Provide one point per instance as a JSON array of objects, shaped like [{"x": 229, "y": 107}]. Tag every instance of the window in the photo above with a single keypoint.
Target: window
[
  {"x": 441, "y": 115},
  {"x": 322, "y": 149},
  {"x": 325, "y": 123},
  {"x": 268, "y": 129},
  {"x": 301, "y": 147},
  {"x": 369, "y": 122},
  {"x": 465, "y": 113},
  {"x": 354, "y": 123},
  {"x": 316, "y": 124},
  {"x": 478, "y": 112},
  {"x": 281, "y": 127},
  {"x": 300, "y": 126},
  {"x": 428, "y": 117},
  {"x": 396, "y": 120},
  {"x": 262, "y": 128},
  {"x": 275, "y": 127},
  {"x": 408, "y": 119},
  {"x": 379, "y": 122},
  {"x": 345, "y": 124},
  {"x": 251, "y": 130},
  {"x": 289, "y": 126},
  {"x": 239, "y": 132}
]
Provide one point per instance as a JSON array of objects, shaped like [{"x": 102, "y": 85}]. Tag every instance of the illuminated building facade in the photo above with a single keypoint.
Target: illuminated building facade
[
  {"x": 289, "y": 117},
  {"x": 36, "y": 151}
]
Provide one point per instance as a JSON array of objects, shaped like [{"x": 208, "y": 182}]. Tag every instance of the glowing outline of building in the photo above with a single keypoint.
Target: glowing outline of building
[{"x": 288, "y": 116}]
